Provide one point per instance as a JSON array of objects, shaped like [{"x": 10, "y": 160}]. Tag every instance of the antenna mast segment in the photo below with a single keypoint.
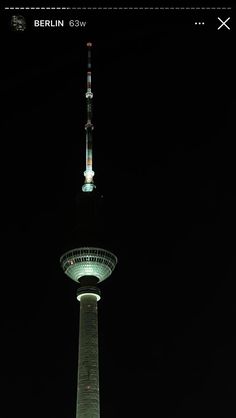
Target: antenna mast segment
[{"x": 89, "y": 185}]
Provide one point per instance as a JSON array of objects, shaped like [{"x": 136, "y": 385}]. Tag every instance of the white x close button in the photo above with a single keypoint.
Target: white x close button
[{"x": 223, "y": 23}]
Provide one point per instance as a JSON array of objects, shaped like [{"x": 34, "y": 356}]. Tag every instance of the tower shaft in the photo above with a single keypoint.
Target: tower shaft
[{"x": 88, "y": 402}]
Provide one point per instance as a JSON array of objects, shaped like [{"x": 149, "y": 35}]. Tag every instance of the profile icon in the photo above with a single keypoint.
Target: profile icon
[{"x": 18, "y": 23}]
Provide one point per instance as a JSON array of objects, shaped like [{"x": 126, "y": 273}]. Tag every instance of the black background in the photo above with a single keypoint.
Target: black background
[{"x": 164, "y": 162}]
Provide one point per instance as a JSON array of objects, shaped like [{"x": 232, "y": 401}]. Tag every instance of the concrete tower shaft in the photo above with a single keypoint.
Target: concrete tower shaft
[
  {"x": 88, "y": 266},
  {"x": 88, "y": 402}
]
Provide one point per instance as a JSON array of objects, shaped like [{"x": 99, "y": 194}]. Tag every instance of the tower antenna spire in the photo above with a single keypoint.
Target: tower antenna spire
[{"x": 89, "y": 185}]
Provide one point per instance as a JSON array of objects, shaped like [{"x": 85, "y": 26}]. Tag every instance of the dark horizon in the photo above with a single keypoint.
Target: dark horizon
[{"x": 164, "y": 164}]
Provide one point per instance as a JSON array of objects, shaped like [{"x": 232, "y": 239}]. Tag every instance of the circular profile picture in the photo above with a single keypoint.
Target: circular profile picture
[{"x": 18, "y": 23}]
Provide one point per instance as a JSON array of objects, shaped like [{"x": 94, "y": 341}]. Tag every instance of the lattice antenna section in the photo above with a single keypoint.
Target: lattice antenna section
[{"x": 89, "y": 185}]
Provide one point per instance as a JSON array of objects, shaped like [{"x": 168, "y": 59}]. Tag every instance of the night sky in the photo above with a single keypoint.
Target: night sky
[{"x": 164, "y": 164}]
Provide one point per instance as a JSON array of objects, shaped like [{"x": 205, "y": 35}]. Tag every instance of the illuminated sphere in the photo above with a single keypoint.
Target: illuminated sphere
[{"x": 88, "y": 261}]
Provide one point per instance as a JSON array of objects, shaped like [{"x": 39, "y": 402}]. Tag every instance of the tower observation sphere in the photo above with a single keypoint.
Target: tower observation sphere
[
  {"x": 88, "y": 261},
  {"x": 88, "y": 266}
]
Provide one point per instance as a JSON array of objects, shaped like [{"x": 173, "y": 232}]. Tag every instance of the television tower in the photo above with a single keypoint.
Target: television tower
[{"x": 88, "y": 266}]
